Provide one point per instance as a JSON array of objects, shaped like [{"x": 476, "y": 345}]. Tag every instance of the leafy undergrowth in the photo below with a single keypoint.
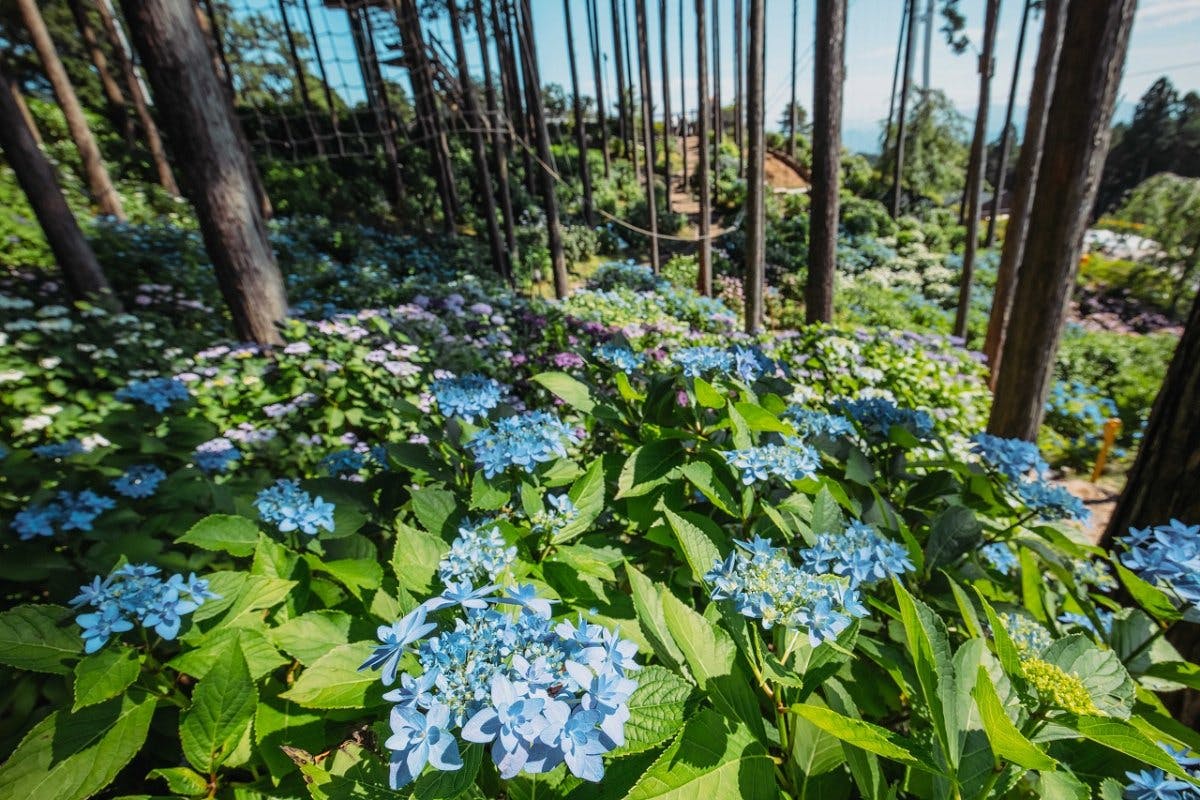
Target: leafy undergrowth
[{"x": 457, "y": 543}]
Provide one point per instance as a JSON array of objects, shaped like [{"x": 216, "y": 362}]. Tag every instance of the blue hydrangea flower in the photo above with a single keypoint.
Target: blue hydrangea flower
[
  {"x": 1155, "y": 784},
  {"x": 216, "y": 455},
  {"x": 135, "y": 593},
  {"x": 395, "y": 638},
  {"x": 1051, "y": 502},
  {"x": 139, "y": 481},
  {"x": 291, "y": 508},
  {"x": 619, "y": 357},
  {"x": 859, "y": 553},
  {"x": 1167, "y": 556},
  {"x": 478, "y": 554},
  {"x": 468, "y": 397},
  {"x": 522, "y": 441},
  {"x": 64, "y": 449},
  {"x": 999, "y": 557},
  {"x": 877, "y": 416},
  {"x": 811, "y": 423},
  {"x": 1015, "y": 458},
  {"x": 698, "y": 361},
  {"x": 68, "y": 511},
  {"x": 1027, "y": 634},
  {"x": 749, "y": 363},
  {"x": 1083, "y": 621},
  {"x": 158, "y": 393},
  {"x": 560, "y": 513},
  {"x": 789, "y": 462},
  {"x": 342, "y": 463},
  {"x": 418, "y": 739}
]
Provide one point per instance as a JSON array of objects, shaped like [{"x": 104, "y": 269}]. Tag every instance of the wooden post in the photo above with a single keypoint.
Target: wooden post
[
  {"x": 211, "y": 147},
  {"x": 828, "y": 78},
  {"x": 634, "y": 135},
  {"x": 704, "y": 276},
  {"x": 647, "y": 127}
]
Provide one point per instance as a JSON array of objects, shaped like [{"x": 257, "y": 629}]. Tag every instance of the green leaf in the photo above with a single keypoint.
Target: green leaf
[
  {"x": 71, "y": 756},
  {"x": 568, "y": 389},
  {"x": 182, "y": 781},
  {"x": 444, "y": 785},
  {"x": 1154, "y": 600},
  {"x": 1180, "y": 672},
  {"x": 965, "y": 608},
  {"x": 36, "y": 638},
  {"x": 261, "y": 657},
  {"x": 815, "y": 752},
  {"x": 697, "y": 543},
  {"x": 356, "y": 574},
  {"x": 711, "y": 656},
  {"x": 714, "y": 758},
  {"x": 485, "y": 496},
  {"x": 587, "y": 493},
  {"x": 435, "y": 509},
  {"x": 648, "y": 467},
  {"x": 826, "y": 514},
  {"x": 859, "y": 468},
  {"x": 759, "y": 419},
  {"x": 105, "y": 674},
  {"x": 656, "y": 709},
  {"x": 1122, "y": 737},
  {"x": 223, "y": 533},
  {"x": 647, "y": 604},
  {"x": 1062, "y": 786},
  {"x": 866, "y": 736},
  {"x": 929, "y": 647},
  {"x": 954, "y": 532},
  {"x": 707, "y": 395},
  {"x": 1008, "y": 743},
  {"x": 309, "y": 636},
  {"x": 1101, "y": 672},
  {"x": 279, "y": 723},
  {"x": 222, "y": 708},
  {"x": 702, "y": 475},
  {"x": 1006, "y": 649},
  {"x": 416, "y": 557},
  {"x": 864, "y": 766},
  {"x": 335, "y": 681}
]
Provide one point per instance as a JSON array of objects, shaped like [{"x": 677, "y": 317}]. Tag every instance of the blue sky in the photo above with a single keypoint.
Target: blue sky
[{"x": 1165, "y": 37}]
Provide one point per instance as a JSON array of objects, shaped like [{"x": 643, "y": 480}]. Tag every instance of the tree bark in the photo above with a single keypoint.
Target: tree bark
[
  {"x": 598, "y": 77},
  {"x": 82, "y": 276},
  {"x": 739, "y": 127},
  {"x": 718, "y": 122},
  {"x": 533, "y": 95},
  {"x": 300, "y": 79},
  {"x": 664, "y": 57},
  {"x": 902, "y": 110},
  {"x": 647, "y": 127},
  {"x": 499, "y": 145},
  {"x": 133, "y": 84},
  {"x": 14, "y": 89},
  {"x": 210, "y": 144},
  {"x": 1025, "y": 182},
  {"x": 887, "y": 131},
  {"x": 99, "y": 183},
  {"x": 522, "y": 110},
  {"x": 1076, "y": 140},
  {"x": 624, "y": 124},
  {"x": 975, "y": 170},
  {"x": 756, "y": 221},
  {"x": 118, "y": 112},
  {"x": 704, "y": 276},
  {"x": 998, "y": 180},
  {"x": 792, "y": 107},
  {"x": 634, "y": 133},
  {"x": 581, "y": 141},
  {"x": 683, "y": 128},
  {"x": 828, "y": 78}
]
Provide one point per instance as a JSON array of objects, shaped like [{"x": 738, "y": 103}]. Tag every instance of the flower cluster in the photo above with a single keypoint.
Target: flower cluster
[
  {"x": 999, "y": 557},
  {"x": 811, "y": 423},
  {"x": 763, "y": 583},
  {"x": 1155, "y": 784},
  {"x": 1029, "y": 637},
  {"x": 216, "y": 455},
  {"x": 56, "y": 450},
  {"x": 136, "y": 593},
  {"x": 158, "y": 393},
  {"x": 1058, "y": 688},
  {"x": 750, "y": 364},
  {"x": 68, "y": 511},
  {"x": 698, "y": 361},
  {"x": 619, "y": 357},
  {"x": 139, "y": 481},
  {"x": 478, "y": 555},
  {"x": 790, "y": 462},
  {"x": 1167, "y": 555},
  {"x": 1015, "y": 458},
  {"x": 562, "y": 512},
  {"x": 1105, "y": 618},
  {"x": 524, "y": 441},
  {"x": 291, "y": 508},
  {"x": 877, "y": 416},
  {"x": 538, "y": 693},
  {"x": 859, "y": 553},
  {"x": 1051, "y": 502},
  {"x": 343, "y": 463},
  {"x": 467, "y": 397}
]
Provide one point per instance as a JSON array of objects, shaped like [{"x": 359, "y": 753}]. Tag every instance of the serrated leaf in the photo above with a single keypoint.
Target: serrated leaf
[
  {"x": 182, "y": 781},
  {"x": 648, "y": 467},
  {"x": 826, "y": 514},
  {"x": 415, "y": 558},
  {"x": 1006, "y": 649},
  {"x": 698, "y": 544},
  {"x": 702, "y": 475},
  {"x": 1100, "y": 671},
  {"x": 707, "y": 395},
  {"x": 105, "y": 674},
  {"x": 260, "y": 656},
  {"x": 866, "y": 736},
  {"x": 446, "y": 785},
  {"x": 656, "y": 709},
  {"x": 1155, "y": 601},
  {"x": 648, "y": 607},
  {"x": 1122, "y": 737},
  {"x": 587, "y": 494},
  {"x": 33, "y": 637},
  {"x": 71, "y": 756},
  {"x": 278, "y": 723},
  {"x": 222, "y": 707},
  {"x": 1008, "y": 743},
  {"x": 309, "y": 636},
  {"x": 759, "y": 419},
  {"x": 571, "y": 391},
  {"x": 929, "y": 647},
  {"x": 223, "y": 533},
  {"x": 954, "y": 532},
  {"x": 485, "y": 496},
  {"x": 435, "y": 509},
  {"x": 335, "y": 681}
]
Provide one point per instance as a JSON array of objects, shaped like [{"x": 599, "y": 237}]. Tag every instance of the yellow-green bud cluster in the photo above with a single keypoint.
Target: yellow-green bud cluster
[{"x": 1058, "y": 688}]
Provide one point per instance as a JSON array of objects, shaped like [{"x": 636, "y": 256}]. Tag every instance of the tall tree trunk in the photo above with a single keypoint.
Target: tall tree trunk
[
  {"x": 323, "y": 76},
  {"x": 476, "y": 122},
  {"x": 624, "y": 124},
  {"x": 634, "y": 133},
  {"x": 527, "y": 130},
  {"x": 82, "y": 276},
  {"x": 900, "y": 40},
  {"x": 792, "y": 107},
  {"x": 739, "y": 126},
  {"x": 1076, "y": 140},
  {"x": 718, "y": 122},
  {"x": 925, "y": 70},
  {"x": 756, "y": 220},
  {"x": 581, "y": 142},
  {"x": 647, "y": 126},
  {"x": 137, "y": 95},
  {"x": 118, "y": 112},
  {"x": 704, "y": 276},
  {"x": 218, "y": 175},
  {"x": 683, "y": 128},
  {"x": 533, "y": 95},
  {"x": 664, "y": 57},
  {"x": 499, "y": 145},
  {"x": 1025, "y": 181},
  {"x": 902, "y": 111},
  {"x": 975, "y": 172},
  {"x": 300, "y": 78},
  {"x": 14, "y": 88},
  {"x": 598, "y": 78},
  {"x": 828, "y": 78},
  {"x": 998, "y": 180},
  {"x": 99, "y": 183}
]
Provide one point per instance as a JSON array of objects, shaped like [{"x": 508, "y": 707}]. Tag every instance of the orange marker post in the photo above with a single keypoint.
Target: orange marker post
[{"x": 1110, "y": 435}]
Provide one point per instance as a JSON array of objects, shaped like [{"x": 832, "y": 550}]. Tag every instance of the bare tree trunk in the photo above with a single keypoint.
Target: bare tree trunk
[
  {"x": 533, "y": 96},
  {"x": 118, "y": 113},
  {"x": 205, "y": 133},
  {"x": 828, "y": 78},
  {"x": 704, "y": 276},
  {"x": 82, "y": 276},
  {"x": 664, "y": 57},
  {"x": 300, "y": 79},
  {"x": 975, "y": 172},
  {"x": 499, "y": 145},
  {"x": 1076, "y": 140},
  {"x": 133, "y": 84},
  {"x": 1025, "y": 181},
  {"x": 634, "y": 133},
  {"x": 624, "y": 124},
  {"x": 598, "y": 77},
  {"x": 902, "y": 112},
  {"x": 99, "y": 183},
  {"x": 792, "y": 107},
  {"x": 718, "y": 122},
  {"x": 647, "y": 127},
  {"x": 998, "y": 180},
  {"x": 739, "y": 124},
  {"x": 478, "y": 152},
  {"x": 756, "y": 220},
  {"x": 581, "y": 142},
  {"x": 14, "y": 89},
  {"x": 683, "y": 128},
  {"x": 519, "y": 109},
  {"x": 900, "y": 40}
]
